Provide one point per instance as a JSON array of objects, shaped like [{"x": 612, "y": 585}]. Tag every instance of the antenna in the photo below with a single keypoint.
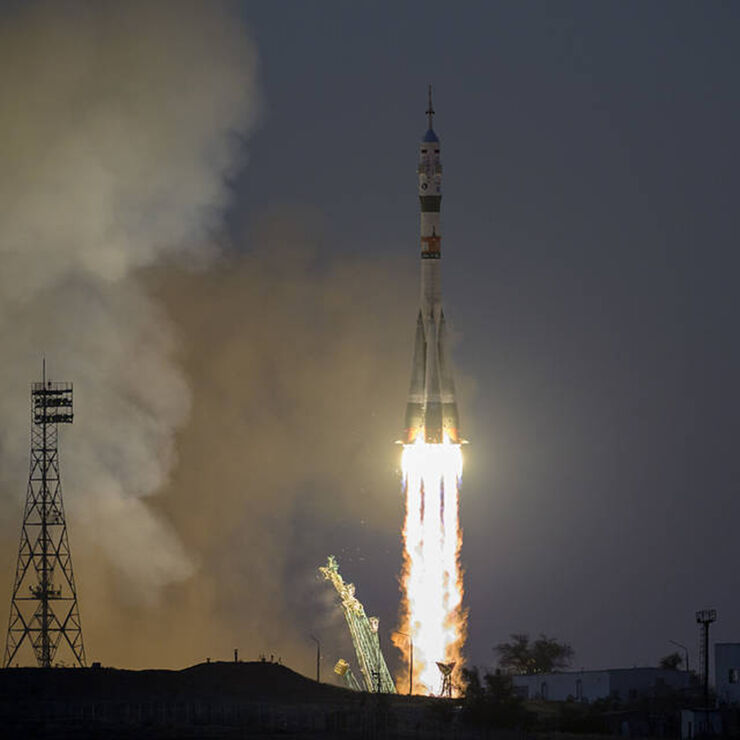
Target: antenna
[
  {"x": 430, "y": 109},
  {"x": 43, "y": 610}
]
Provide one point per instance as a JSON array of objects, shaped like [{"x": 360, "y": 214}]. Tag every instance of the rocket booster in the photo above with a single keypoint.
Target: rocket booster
[{"x": 431, "y": 411}]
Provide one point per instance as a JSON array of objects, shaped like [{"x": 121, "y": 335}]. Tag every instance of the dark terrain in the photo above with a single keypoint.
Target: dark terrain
[{"x": 210, "y": 700}]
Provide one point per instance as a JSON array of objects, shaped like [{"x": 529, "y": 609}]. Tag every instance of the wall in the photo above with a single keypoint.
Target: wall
[
  {"x": 627, "y": 684},
  {"x": 727, "y": 672},
  {"x": 624, "y": 684},
  {"x": 561, "y": 686}
]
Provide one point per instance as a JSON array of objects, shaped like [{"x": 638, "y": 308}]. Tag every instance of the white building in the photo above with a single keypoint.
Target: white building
[
  {"x": 727, "y": 672},
  {"x": 623, "y": 684}
]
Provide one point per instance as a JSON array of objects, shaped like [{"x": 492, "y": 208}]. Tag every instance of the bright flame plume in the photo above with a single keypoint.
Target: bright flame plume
[{"x": 432, "y": 584}]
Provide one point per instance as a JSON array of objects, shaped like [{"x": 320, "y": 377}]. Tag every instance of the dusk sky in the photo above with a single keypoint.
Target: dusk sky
[
  {"x": 590, "y": 268},
  {"x": 589, "y": 261}
]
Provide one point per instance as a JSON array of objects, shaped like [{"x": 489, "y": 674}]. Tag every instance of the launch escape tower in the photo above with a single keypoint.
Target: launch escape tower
[{"x": 44, "y": 608}]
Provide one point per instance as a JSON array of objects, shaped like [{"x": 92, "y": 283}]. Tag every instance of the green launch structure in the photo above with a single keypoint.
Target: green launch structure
[{"x": 365, "y": 638}]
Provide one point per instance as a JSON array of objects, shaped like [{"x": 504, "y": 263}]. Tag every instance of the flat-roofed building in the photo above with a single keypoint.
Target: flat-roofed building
[
  {"x": 727, "y": 672},
  {"x": 623, "y": 684}
]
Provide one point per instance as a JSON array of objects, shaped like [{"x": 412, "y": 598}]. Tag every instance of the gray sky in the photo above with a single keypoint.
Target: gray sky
[{"x": 589, "y": 258}]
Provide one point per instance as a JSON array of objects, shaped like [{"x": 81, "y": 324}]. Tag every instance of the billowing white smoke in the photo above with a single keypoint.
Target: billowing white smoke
[{"x": 119, "y": 125}]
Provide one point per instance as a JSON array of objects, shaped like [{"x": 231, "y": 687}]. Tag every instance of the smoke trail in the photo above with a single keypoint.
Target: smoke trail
[{"x": 119, "y": 126}]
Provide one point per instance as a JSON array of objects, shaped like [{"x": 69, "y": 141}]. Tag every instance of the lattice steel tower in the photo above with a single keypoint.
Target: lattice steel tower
[
  {"x": 704, "y": 618},
  {"x": 44, "y": 608}
]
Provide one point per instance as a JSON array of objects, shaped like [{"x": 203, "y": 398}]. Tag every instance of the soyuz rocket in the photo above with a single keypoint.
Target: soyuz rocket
[{"x": 432, "y": 409}]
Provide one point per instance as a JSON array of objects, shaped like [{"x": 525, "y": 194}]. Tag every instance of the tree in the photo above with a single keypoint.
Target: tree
[
  {"x": 671, "y": 662},
  {"x": 492, "y": 701},
  {"x": 543, "y": 655}
]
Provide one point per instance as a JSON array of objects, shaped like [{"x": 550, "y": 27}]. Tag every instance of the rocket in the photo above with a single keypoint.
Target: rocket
[{"x": 431, "y": 411}]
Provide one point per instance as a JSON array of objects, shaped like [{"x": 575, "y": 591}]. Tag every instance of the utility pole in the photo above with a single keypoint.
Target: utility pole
[
  {"x": 43, "y": 609},
  {"x": 378, "y": 660},
  {"x": 318, "y": 658},
  {"x": 704, "y": 618}
]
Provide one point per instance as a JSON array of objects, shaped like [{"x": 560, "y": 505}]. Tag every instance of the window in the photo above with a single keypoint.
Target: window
[
  {"x": 734, "y": 675},
  {"x": 543, "y": 691}
]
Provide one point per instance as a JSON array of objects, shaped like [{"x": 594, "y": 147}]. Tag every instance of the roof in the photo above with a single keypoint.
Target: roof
[
  {"x": 634, "y": 669},
  {"x": 430, "y": 136}
]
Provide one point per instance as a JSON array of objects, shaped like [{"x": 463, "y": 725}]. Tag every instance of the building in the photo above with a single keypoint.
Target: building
[
  {"x": 727, "y": 672},
  {"x": 622, "y": 684},
  {"x": 700, "y": 723}
]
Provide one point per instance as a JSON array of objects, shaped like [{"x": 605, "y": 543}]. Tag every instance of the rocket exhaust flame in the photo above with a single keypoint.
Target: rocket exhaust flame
[
  {"x": 432, "y": 577},
  {"x": 431, "y": 611}
]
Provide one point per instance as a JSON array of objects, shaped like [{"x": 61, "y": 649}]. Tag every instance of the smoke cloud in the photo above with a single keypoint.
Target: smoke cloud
[
  {"x": 120, "y": 126},
  {"x": 288, "y": 455},
  {"x": 234, "y": 423}
]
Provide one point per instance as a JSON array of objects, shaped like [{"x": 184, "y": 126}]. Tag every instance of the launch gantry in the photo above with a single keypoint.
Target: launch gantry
[
  {"x": 343, "y": 670},
  {"x": 364, "y": 632}
]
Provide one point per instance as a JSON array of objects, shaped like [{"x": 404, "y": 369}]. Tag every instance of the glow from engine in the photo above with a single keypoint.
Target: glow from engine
[{"x": 432, "y": 584}]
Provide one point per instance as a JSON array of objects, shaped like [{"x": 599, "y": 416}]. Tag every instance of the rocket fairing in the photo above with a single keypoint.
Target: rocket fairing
[{"x": 431, "y": 412}]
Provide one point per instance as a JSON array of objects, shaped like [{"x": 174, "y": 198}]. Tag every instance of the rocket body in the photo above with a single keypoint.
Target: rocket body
[{"x": 431, "y": 411}]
